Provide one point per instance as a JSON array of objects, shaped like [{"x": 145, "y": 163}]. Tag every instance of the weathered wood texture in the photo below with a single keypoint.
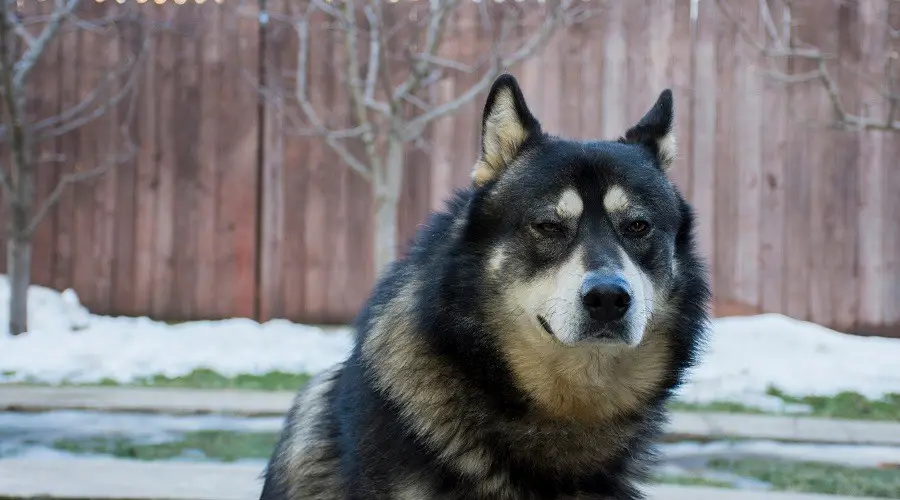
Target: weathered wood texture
[{"x": 223, "y": 212}]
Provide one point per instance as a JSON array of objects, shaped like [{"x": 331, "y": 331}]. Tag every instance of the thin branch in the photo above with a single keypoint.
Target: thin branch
[
  {"x": 374, "y": 54},
  {"x": 893, "y": 97},
  {"x": 434, "y": 36},
  {"x": 821, "y": 73},
  {"x": 76, "y": 177},
  {"x": 497, "y": 64},
  {"x": 301, "y": 26},
  {"x": 769, "y": 22},
  {"x": 13, "y": 102},
  {"x": 355, "y": 86},
  {"x": 62, "y": 10},
  {"x": 446, "y": 63},
  {"x": 21, "y": 31},
  {"x": 77, "y": 116}
]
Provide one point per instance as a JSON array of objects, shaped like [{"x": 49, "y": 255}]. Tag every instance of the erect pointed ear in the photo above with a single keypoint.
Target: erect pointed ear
[
  {"x": 656, "y": 130},
  {"x": 505, "y": 126}
]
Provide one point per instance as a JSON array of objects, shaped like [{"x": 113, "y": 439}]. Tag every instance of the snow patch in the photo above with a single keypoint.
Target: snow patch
[{"x": 745, "y": 355}]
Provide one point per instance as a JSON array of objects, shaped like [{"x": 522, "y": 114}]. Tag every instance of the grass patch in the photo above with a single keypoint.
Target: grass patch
[
  {"x": 812, "y": 477},
  {"x": 723, "y": 407},
  {"x": 225, "y": 446},
  {"x": 691, "y": 481},
  {"x": 847, "y": 405},
  {"x": 208, "y": 379},
  {"x": 203, "y": 378}
]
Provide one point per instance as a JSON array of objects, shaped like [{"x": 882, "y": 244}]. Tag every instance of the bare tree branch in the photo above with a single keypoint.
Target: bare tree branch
[
  {"x": 76, "y": 177},
  {"x": 301, "y": 25},
  {"x": 497, "y": 65},
  {"x": 785, "y": 48},
  {"x": 374, "y": 54},
  {"x": 62, "y": 10},
  {"x": 96, "y": 103},
  {"x": 21, "y": 31},
  {"x": 13, "y": 100},
  {"x": 434, "y": 35}
]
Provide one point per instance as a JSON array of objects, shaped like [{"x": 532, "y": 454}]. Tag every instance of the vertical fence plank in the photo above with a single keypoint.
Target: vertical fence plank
[
  {"x": 871, "y": 216},
  {"x": 122, "y": 214},
  {"x": 236, "y": 164},
  {"x": 42, "y": 104},
  {"x": 775, "y": 156},
  {"x": 146, "y": 179},
  {"x": 165, "y": 86},
  {"x": 727, "y": 174},
  {"x": 703, "y": 126}
]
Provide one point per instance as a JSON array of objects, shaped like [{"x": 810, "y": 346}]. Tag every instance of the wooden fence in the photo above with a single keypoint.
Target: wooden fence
[{"x": 223, "y": 214}]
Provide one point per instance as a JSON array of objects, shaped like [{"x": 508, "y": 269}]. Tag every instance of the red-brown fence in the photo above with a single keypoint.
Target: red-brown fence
[{"x": 223, "y": 214}]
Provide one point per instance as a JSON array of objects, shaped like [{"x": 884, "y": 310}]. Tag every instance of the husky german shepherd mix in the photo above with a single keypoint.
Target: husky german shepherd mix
[{"x": 526, "y": 345}]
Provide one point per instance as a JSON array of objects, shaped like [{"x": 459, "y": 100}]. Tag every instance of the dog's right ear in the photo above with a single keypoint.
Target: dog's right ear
[{"x": 505, "y": 126}]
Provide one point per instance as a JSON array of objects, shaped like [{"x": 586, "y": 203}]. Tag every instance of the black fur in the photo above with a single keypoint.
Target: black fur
[{"x": 376, "y": 445}]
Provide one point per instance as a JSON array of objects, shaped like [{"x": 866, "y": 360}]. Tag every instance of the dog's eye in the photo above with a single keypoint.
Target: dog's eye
[
  {"x": 637, "y": 227},
  {"x": 549, "y": 228}
]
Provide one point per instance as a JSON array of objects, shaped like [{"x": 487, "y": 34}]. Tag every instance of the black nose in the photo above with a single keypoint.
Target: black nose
[{"x": 606, "y": 298}]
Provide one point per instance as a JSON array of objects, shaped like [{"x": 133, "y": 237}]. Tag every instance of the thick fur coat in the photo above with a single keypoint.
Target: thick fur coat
[{"x": 524, "y": 348}]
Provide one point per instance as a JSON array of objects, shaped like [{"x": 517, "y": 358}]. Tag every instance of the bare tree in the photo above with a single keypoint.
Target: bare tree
[
  {"x": 24, "y": 40},
  {"x": 777, "y": 38},
  {"x": 391, "y": 78}
]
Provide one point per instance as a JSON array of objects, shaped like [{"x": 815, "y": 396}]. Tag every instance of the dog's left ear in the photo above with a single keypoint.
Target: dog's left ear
[
  {"x": 505, "y": 126},
  {"x": 656, "y": 130}
]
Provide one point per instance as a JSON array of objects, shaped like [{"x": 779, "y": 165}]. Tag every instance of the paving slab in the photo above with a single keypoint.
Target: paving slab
[
  {"x": 145, "y": 400},
  {"x": 111, "y": 479},
  {"x": 688, "y": 425},
  {"x": 683, "y": 425}
]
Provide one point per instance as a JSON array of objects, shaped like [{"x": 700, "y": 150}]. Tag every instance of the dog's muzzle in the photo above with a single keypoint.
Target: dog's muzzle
[{"x": 607, "y": 299}]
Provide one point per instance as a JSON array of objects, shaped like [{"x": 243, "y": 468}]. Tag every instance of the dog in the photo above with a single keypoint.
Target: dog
[{"x": 526, "y": 344}]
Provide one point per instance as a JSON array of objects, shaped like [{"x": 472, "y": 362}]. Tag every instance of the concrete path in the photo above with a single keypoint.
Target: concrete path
[
  {"x": 145, "y": 400},
  {"x": 683, "y": 425},
  {"x": 110, "y": 479}
]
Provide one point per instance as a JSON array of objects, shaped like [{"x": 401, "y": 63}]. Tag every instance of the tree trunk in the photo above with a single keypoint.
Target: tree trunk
[
  {"x": 18, "y": 263},
  {"x": 386, "y": 185},
  {"x": 385, "y": 232}
]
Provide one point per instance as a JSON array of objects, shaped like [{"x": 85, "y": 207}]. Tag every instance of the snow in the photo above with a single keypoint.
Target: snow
[
  {"x": 66, "y": 343},
  {"x": 745, "y": 355}
]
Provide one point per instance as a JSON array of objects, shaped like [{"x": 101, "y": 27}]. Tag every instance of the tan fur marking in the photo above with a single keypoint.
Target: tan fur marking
[
  {"x": 570, "y": 205},
  {"x": 426, "y": 389},
  {"x": 308, "y": 459},
  {"x": 668, "y": 150},
  {"x": 615, "y": 200},
  {"x": 587, "y": 382},
  {"x": 503, "y": 135}
]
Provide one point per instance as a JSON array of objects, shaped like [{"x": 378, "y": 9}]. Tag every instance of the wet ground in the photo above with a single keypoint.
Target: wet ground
[{"x": 217, "y": 438}]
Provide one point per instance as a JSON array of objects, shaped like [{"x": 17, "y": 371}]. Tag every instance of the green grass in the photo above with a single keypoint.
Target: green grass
[
  {"x": 205, "y": 379},
  {"x": 847, "y": 405},
  {"x": 208, "y": 379},
  {"x": 723, "y": 407},
  {"x": 225, "y": 446},
  {"x": 691, "y": 481},
  {"x": 812, "y": 477}
]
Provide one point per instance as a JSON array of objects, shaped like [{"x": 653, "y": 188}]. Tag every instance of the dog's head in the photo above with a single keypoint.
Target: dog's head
[{"x": 579, "y": 237}]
